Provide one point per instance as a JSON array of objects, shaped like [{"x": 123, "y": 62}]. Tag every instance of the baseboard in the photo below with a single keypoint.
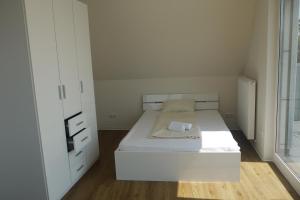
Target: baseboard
[
  {"x": 258, "y": 153},
  {"x": 112, "y": 131}
]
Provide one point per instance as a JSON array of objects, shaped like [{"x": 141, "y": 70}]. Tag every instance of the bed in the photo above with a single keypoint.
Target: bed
[{"x": 140, "y": 157}]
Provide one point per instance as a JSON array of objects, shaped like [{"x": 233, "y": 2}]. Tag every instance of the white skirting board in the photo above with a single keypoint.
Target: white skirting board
[
  {"x": 178, "y": 166},
  {"x": 246, "y": 106}
]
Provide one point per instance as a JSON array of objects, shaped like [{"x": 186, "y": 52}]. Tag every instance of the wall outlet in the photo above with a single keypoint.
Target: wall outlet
[
  {"x": 228, "y": 115},
  {"x": 112, "y": 115}
]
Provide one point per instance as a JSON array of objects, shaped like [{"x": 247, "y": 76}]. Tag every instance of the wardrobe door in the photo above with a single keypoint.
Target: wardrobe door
[
  {"x": 40, "y": 27},
  {"x": 86, "y": 76},
  {"x": 65, "y": 37}
]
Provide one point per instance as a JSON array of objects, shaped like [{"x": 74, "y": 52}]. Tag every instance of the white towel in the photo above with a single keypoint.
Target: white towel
[
  {"x": 161, "y": 127},
  {"x": 180, "y": 126}
]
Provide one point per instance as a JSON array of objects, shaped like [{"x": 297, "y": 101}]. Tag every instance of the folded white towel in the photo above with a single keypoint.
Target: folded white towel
[{"x": 180, "y": 126}]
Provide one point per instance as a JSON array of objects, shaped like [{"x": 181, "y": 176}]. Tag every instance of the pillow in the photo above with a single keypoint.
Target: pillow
[{"x": 182, "y": 105}]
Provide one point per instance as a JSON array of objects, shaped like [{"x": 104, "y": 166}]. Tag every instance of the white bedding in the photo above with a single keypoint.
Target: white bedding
[{"x": 210, "y": 121}]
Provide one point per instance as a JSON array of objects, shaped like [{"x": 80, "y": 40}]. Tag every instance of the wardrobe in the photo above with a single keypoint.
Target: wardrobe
[{"x": 49, "y": 136}]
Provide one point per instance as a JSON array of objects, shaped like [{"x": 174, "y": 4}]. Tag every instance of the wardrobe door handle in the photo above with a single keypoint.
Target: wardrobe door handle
[
  {"x": 81, "y": 86},
  {"x": 59, "y": 92},
  {"x": 64, "y": 91}
]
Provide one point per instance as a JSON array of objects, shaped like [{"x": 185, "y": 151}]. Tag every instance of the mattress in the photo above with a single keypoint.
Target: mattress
[{"x": 210, "y": 121}]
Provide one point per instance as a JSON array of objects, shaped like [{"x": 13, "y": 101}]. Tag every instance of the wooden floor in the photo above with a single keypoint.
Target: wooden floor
[{"x": 259, "y": 180}]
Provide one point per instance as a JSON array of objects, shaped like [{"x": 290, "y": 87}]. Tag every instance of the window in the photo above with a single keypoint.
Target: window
[{"x": 288, "y": 120}]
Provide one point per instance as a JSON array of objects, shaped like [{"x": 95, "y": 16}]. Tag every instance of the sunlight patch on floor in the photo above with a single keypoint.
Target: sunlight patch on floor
[{"x": 257, "y": 181}]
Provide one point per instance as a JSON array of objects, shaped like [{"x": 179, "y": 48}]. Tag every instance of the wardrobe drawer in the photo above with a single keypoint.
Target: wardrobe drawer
[
  {"x": 77, "y": 170},
  {"x": 81, "y": 139},
  {"x": 76, "y": 124}
]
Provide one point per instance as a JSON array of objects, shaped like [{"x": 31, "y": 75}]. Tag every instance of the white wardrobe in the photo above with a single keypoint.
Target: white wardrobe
[{"x": 49, "y": 135}]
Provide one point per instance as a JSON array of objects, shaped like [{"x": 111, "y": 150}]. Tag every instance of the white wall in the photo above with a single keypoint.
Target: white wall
[
  {"x": 262, "y": 66},
  {"x": 166, "y": 46},
  {"x": 21, "y": 171},
  {"x": 137, "y": 39},
  {"x": 123, "y": 98}
]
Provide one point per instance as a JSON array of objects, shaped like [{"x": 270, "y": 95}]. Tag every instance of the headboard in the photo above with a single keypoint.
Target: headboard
[{"x": 203, "y": 101}]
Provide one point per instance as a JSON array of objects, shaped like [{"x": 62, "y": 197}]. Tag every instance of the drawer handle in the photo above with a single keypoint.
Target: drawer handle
[
  {"x": 79, "y": 123},
  {"x": 85, "y": 138},
  {"x": 80, "y": 152},
  {"x": 80, "y": 168}
]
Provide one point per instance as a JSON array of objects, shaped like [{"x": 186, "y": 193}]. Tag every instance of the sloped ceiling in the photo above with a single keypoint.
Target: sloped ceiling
[{"x": 134, "y": 39}]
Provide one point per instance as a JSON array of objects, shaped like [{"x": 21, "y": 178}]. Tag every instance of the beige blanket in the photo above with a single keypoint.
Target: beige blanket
[{"x": 161, "y": 130}]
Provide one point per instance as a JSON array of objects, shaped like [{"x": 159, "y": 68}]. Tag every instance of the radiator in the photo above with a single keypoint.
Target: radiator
[{"x": 246, "y": 106}]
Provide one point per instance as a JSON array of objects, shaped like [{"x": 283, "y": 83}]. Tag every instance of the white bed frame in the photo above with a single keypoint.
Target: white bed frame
[{"x": 178, "y": 166}]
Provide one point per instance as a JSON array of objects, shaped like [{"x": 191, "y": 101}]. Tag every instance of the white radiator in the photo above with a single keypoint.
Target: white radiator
[{"x": 246, "y": 106}]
